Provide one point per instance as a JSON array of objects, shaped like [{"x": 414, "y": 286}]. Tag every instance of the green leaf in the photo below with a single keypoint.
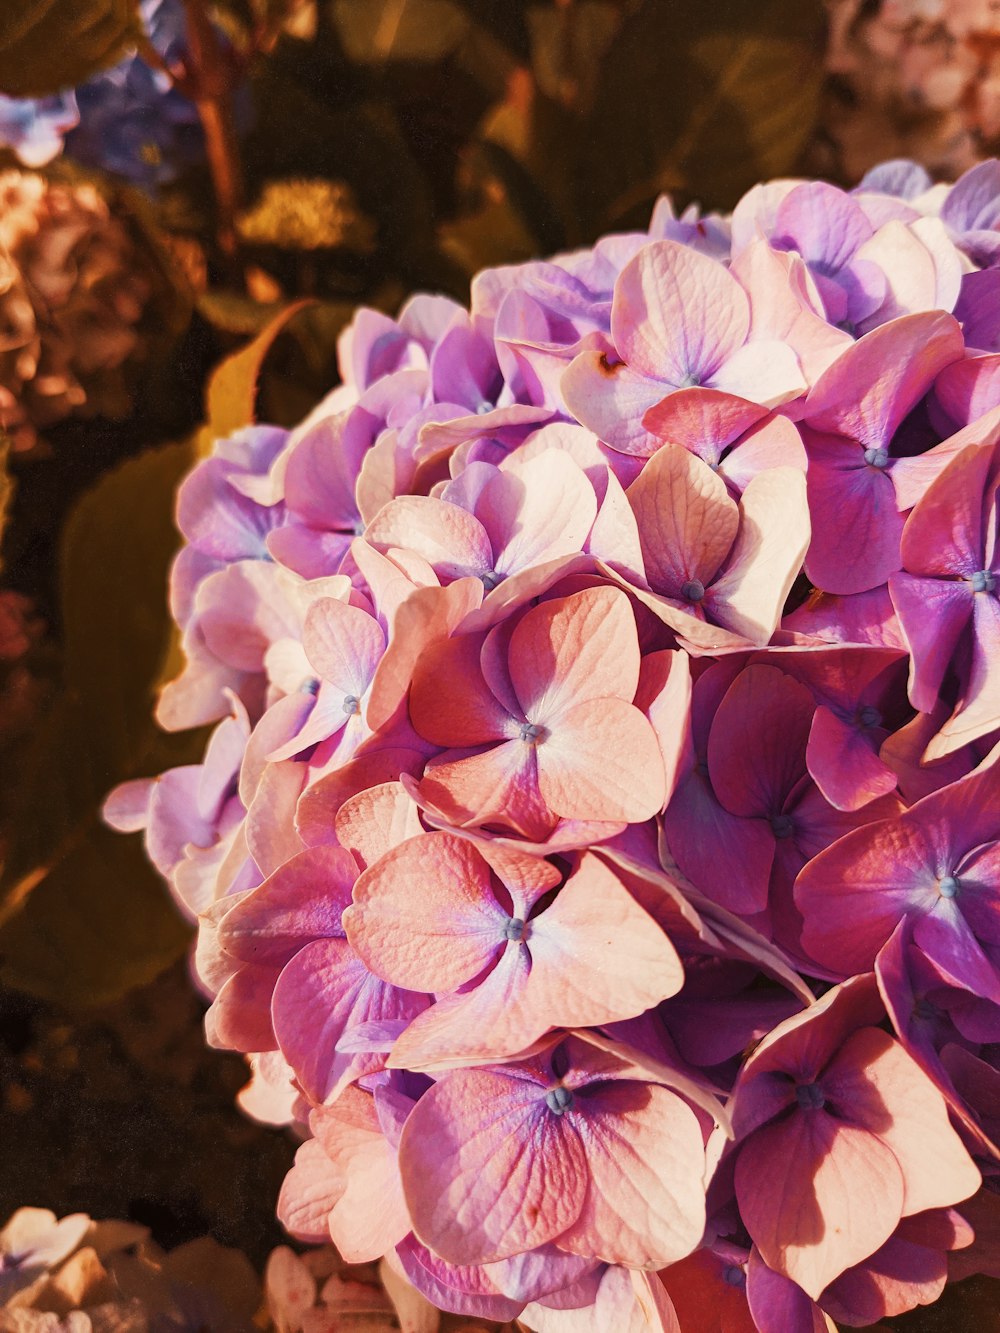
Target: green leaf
[
  {"x": 375, "y": 31},
  {"x": 231, "y": 398},
  {"x": 47, "y": 45},
  {"x": 494, "y": 235},
  {"x": 702, "y": 100},
  {"x": 84, "y": 916},
  {"x": 99, "y": 923},
  {"x": 303, "y": 364},
  {"x": 235, "y": 313}
]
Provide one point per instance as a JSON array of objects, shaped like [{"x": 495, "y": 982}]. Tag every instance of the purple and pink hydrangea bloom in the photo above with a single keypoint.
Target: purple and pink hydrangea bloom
[{"x": 597, "y": 853}]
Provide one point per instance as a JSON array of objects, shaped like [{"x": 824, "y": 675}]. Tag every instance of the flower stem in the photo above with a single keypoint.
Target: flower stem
[{"x": 210, "y": 80}]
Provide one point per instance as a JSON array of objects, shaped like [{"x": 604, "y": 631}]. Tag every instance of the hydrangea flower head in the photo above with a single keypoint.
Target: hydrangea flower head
[{"x": 593, "y": 853}]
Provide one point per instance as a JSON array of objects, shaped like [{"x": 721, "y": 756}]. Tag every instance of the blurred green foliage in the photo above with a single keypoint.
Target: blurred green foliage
[{"x": 47, "y": 45}]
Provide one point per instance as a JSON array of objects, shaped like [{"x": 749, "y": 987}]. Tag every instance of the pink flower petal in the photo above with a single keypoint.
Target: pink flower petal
[
  {"x": 856, "y": 526},
  {"x": 677, "y": 313},
  {"x": 767, "y": 555},
  {"x": 578, "y": 978},
  {"x": 321, "y": 994},
  {"x": 424, "y": 916},
  {"x": 705, "y": 421},
  {"x": 978, "y": 712},
  {"x": 425, "y": 617},
  {"x": 601, "y": 760},
  {"x": 271, "y": 835},
  {"x": 126, "y": 808},
  {"x": 687, "y": 520},
  {"x": 773, "y": 443},
  {"x": 302, "y": 901},
  {"x": 706, "y": 841},
  {"x": 874, "y": 1083},
  {"x": 452, "y": 540},
  {"x": 344, "y": 644},
  {"x": 611, "y": 399},
  {"x": 376, "y": 820},
  {"x": 574, "y": 649},
  {"x": 664, "y": 695},
  {"x": 869, "y": 389},
  {"x": 846, "y": 926},
  {"x": 367, "y": 1215},
  {"x": 470, "y": 1290},
  {"x": 933, "y": 614},
  {"x": 897, "y": 1278},
  {"x": 778, "y": 1304},
  {"x": 485, "y": 1024},
  {"x": 307, "y": 1194},
  {"x": 767, "y": 370},
  {"x": 240, "y": 1016},
  {"x": 644, "y": 1202},
  {"x": 450, "y": 702},
  {"x": 626, "y": 1301},
  {"x": 914, "y": 475},
  {"x": 945, "y": 533},
  {"x": 320, "y": 803},
  {"x": 537, "y": 510},
  {"x": 757, "y": 744},
  {"x": 843, "y": 765},
  {"x": 817, "y": 1196},
  {"x": 498, "y": 786},
  {"x": 488, "y": 1170},
  {"x": 784, "y": 304}
]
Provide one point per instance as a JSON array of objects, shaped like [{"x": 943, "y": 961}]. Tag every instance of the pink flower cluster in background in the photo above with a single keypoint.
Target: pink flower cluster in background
[
  {"x": 597, "y": 852},
  {"x": 76, "y": 1275},
  {"x": 921, "y": 77},
  {"x": 73, "y": 288}
]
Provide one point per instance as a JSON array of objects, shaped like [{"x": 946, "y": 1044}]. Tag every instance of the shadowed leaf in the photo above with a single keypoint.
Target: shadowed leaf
[
  {"x": 85, "y": 916},
  {"x": 97, "y": 924},
  {"x": 704, "y": 100},
  {"x": 47, "y": 45}
]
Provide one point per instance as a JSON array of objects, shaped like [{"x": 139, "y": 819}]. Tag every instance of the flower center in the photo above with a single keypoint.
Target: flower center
[
  {"x": 693, "y": 590},
  {"x": 352, "y": 704},
  {"x": 948, "y": 887},
  {"x": 514, "y": 929},
  {"x": 781, "y": 826},
  {"x": 870, "y": 717},
  {"x": 734, "y": 1276},
  {"x": 559, "y": 1100},
  {"x": 810, "y": 1096},
  {"x": 876, "y": 457},
  {"x": 530, "y": 733},
  {"x": 490, "y": 579},
  {"x": 983, "y": 581}
]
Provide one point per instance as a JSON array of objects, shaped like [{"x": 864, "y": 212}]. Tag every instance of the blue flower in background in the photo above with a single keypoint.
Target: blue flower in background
[
  {"x": 165, "y": 23},
  {"x": 133, "y": 122},
  {"x": 35, "y": 127},
  {"x": 129, "y": 120}
]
